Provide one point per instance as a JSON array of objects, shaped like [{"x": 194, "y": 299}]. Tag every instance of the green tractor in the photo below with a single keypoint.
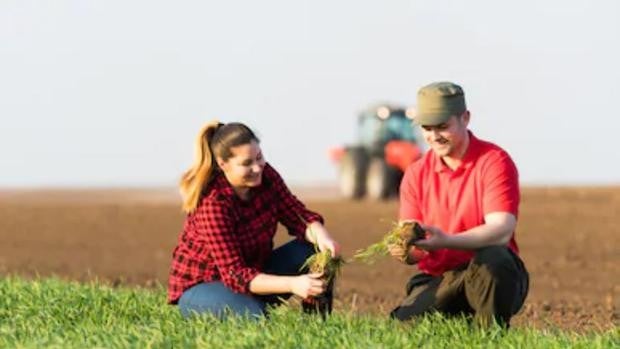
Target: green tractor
[{"x": 386, "y": 146}]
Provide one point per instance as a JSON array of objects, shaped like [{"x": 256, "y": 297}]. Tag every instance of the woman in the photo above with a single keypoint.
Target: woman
[{"x": 224, "y": 262}]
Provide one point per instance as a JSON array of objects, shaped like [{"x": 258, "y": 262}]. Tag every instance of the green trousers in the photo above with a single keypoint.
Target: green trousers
[{"x": 492, "y": 287}]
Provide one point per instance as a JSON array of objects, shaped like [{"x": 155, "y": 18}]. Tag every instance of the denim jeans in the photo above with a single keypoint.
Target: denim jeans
[{"x": 217, "y": 299}]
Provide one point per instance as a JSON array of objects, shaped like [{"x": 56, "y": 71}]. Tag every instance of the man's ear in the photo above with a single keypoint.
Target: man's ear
[
  {"x": 466, "y": 117},
  {"x": 220, "y": 163}
]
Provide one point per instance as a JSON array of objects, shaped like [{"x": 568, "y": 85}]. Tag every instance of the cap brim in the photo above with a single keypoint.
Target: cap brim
[{"x": 431, "y": 120}]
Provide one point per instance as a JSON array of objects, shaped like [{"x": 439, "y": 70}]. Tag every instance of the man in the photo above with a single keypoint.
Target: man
[{"x": 464, "y": 193}]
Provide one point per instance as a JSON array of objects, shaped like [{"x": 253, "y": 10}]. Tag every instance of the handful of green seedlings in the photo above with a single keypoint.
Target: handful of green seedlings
[
  {"x": 324, "y": 263},
  {"x": 403, "y": 234}
]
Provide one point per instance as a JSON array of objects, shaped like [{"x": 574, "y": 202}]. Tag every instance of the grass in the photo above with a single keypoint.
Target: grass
[{"x": 58, "y": 314}]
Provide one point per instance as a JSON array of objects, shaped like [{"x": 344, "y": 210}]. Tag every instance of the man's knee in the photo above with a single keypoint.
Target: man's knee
[{"x": 498, "y": 259}]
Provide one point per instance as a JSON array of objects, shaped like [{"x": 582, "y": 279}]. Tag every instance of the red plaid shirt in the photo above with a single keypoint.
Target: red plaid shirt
[{"x": 228, "y": 239}]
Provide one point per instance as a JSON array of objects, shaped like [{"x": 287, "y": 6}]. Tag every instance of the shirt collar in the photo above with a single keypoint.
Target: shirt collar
[
  {"x": 221, "y": 185},
  {"x": 468, "y": 159}
]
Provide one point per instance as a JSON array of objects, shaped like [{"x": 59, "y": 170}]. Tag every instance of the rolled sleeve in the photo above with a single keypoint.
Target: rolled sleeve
[{"x": 217, "y": 226}]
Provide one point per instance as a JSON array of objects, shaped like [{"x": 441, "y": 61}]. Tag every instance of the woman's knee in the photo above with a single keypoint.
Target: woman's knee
[
  {"x": 289, "y": 258},
  {"x": 216, "y": 299},
  {"x": 303, "y": 249}
]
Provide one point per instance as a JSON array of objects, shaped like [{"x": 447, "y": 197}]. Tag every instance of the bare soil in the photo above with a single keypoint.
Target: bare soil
[{"x": 569, "y": 240}]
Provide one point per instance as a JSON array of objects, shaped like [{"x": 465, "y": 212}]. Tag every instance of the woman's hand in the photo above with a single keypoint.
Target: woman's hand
[
  {"x": 307, "y": 285},
  {"x": 329, "y": 244},
  {"x": 317, "y": 234}
]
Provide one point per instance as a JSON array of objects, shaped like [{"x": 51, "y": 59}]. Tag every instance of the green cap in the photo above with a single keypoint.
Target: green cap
[{"x": 438, "y": 101}]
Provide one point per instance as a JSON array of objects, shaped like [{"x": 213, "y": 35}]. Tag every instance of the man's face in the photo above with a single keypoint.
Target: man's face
[{"x": 448, "y": 138}]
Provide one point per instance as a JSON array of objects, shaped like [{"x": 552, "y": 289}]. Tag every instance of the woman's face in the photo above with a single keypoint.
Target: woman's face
[{"x": 245, "y": 168}]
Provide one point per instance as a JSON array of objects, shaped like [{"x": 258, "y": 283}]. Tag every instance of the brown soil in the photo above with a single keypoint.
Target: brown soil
[{"x": 569, "y": 238}]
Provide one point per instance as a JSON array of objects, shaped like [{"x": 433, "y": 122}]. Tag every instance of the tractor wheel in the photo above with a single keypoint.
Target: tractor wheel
[
  {"x": 380, "y": 180},
  {"x": 353, "y": 173}
]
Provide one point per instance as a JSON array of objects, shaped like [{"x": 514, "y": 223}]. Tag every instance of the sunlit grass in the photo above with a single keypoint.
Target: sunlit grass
[{"x": 55, "y": 313}]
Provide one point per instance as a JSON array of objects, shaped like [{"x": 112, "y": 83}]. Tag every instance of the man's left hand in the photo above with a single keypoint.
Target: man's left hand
[{"x": 435, "y": 239}]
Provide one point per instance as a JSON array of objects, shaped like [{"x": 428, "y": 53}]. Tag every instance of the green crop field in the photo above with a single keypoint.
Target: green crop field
[{"x": 56, "y": 313}]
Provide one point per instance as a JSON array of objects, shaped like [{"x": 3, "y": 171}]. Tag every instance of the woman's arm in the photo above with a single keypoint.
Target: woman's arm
[
  {"x": 300, "y": 221},
  {"x": 317, "y": 234},
  {"x": 217, "y": 227},
  {"x": 301, "y": 285}
]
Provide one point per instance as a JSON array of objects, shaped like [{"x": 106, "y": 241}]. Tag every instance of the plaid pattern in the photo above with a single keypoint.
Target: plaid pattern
[{"x": 230, "y": 240}]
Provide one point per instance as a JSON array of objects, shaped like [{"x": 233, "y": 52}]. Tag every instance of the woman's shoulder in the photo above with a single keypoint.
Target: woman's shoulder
[
  {"x": 269, "y": 171},
  {"x": 217, "y": 191},
  {"x": 270, "y": 176}
]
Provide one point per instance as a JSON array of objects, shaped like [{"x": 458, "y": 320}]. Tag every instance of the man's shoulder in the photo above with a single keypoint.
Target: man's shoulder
[
  {"x": 417, "y": 173},
  {"x": 493, "y": 160},
  {"x": 491, "y": 152},
  {"x": 425, "y": 162}
]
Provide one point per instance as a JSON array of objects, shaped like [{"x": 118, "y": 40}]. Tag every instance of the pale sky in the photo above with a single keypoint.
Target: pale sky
[{"x": 112, "y": 93}]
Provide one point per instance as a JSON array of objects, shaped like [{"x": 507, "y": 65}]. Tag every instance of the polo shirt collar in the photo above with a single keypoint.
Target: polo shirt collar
[{"x": 468, "y": 159}]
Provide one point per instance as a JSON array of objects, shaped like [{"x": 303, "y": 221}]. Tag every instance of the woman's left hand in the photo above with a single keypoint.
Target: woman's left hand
[{"x": 329, "y": 244}]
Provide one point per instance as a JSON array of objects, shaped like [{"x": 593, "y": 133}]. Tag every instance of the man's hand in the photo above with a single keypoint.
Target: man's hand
[
  {"x": 497, "y": 230},
  {"x": 435, "y": 239},
  {"x": 397, "y": 252},
  {"x": 412, "y": 256}
]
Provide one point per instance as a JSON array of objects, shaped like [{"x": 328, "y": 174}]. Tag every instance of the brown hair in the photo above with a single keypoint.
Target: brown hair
[{"x": 214, "y": 140}]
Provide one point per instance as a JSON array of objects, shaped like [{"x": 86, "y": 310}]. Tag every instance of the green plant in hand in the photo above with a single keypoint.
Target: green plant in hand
[
  {"x": 323, "y": 262},
  {"x": 402, "y": 234}
]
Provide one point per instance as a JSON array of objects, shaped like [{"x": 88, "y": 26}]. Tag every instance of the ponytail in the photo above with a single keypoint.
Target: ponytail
[{"x": 200, "y": 173}]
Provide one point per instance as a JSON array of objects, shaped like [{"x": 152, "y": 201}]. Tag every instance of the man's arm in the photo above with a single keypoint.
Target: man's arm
[
  {"x": 497, "y": 230},
  {"x": 500, "y": 202}
]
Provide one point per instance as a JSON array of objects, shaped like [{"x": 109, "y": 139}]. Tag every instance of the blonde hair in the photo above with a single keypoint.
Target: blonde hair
[{"x": 214, "y": 140}]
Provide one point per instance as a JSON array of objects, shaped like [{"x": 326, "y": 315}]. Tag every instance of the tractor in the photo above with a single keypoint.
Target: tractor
[{"x": 375, "y": 165}]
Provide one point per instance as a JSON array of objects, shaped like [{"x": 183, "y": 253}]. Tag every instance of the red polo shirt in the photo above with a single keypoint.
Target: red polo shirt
[{"x": 457, "y": 200}]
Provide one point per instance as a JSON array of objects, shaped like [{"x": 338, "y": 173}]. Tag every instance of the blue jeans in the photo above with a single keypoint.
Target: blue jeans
[{"x": 217, "y": 299}]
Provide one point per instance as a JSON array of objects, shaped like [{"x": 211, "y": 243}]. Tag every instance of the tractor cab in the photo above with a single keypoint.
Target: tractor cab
[
  {"x": 386, "y": 146},
  {"x": 382, "y": 124}
]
